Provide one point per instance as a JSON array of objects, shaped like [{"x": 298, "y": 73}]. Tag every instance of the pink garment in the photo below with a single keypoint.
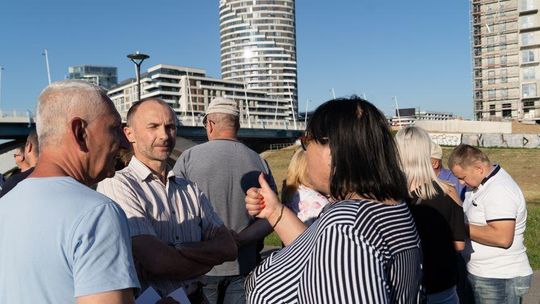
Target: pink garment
[{"x": 307, "y": 204}]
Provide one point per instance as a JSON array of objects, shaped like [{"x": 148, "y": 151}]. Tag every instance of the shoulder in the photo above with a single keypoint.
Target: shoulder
[
  {"x": 378, "y": 224},
  {"x": 503, "y": 187},
  {"x": 363, "y": 212},
  {"x": 125, "y": 176},
  {"x": 186, "y": 185}
]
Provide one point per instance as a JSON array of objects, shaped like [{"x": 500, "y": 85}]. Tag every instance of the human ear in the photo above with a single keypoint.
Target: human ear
[
  {"x": 78, "y": 133},
  {"x": 130, "y": 134}
]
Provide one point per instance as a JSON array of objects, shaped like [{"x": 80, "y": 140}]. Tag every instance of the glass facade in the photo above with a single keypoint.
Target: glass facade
[
  {"x": 258, "y": 47},
  {"x": 106, "y": 77}
]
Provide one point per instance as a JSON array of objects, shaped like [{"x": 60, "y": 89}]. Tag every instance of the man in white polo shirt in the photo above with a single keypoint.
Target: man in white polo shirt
[{"x": 495, "y": 210}]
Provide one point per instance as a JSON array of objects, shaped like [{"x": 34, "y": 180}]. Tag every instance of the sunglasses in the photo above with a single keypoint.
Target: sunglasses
[{"x": 306, "y": 139}]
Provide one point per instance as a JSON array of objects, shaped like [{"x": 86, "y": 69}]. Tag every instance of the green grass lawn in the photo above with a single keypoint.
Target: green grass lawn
[
  {"x": 522, "y": 164},
  {"x": 532, "y": 234}
]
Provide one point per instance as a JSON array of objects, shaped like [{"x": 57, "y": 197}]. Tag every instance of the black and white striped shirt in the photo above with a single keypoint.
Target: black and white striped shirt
[{"x": 357, "y": 252}]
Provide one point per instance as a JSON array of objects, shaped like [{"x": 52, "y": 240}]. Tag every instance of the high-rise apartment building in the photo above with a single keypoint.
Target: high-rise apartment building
[
  {"x": 189, "y": 91},
  {"x": 104, "y": 76},
  {"x": 506, "y": 57},
  {"x": 258, "y": 47}
]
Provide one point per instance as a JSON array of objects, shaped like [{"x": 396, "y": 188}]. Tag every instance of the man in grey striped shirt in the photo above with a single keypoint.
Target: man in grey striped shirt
[{"x": 176, "y": 235}]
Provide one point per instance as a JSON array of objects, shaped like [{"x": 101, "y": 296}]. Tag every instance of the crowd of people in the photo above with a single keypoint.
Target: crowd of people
[{"x": 100, "y": 215}]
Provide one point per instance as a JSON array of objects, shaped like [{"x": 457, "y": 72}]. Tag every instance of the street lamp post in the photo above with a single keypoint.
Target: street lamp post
[
  {"x": 137, "y": 59},
  {"x": 1, "y": 69},
  {"x": 46, "y": 54}
]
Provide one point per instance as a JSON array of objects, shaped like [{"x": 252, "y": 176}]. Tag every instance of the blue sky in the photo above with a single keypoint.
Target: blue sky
[{"x": 416, "y": 50}]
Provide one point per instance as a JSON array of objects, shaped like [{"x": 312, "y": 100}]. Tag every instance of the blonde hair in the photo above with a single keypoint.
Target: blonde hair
[
  {"x": 414, "y": 146},
  {"x": 296, "y": 175},
  {"x": 465, "y": 156}
]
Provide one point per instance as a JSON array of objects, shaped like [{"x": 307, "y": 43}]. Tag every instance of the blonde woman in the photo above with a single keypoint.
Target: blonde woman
[
  {"x": 298, "y": 194},
  {"x": 438, "y": 216}
]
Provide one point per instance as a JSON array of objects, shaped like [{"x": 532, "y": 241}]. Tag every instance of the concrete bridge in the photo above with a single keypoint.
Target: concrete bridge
[{"x": 15, "y": 126}]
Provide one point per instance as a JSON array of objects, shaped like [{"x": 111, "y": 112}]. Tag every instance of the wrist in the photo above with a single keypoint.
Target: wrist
[{"x": 278, "y": 214}]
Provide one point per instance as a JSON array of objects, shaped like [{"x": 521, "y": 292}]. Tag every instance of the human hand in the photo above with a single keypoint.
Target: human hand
[{"x": 262, "y": 202}]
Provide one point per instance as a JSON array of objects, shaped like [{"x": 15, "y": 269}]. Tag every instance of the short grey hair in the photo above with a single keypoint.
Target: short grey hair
[{"x": 61, "y": 101}]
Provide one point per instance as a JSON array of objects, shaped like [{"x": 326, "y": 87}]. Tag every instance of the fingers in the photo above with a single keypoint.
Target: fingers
[
  {"x": 254, "y": 201},
  {"x": 263, "y": 182}
]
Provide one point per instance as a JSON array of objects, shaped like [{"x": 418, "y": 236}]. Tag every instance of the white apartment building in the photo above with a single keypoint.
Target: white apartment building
[
  {"x": 189, "y": 91},
  {"x": 409, "y": 116},
  {"x": 506, "y": 57},
  {"x": 258, "y": 47}
]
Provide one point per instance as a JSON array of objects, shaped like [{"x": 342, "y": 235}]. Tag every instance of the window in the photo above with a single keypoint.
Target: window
[
  {"x": 504, "y": 59},
  {"x": 526, "y": 5},
  {"x": 529, "y": 73},
  {"x": 526, "y": 21},
  {"x": 528, "y": 90},
  {"x": 478, "y": 84},
  {"x": 502, "y": 42},
  {"x": 527, "y": 56},
  {"x": 491, "y": 93},
  {"x": 491, "y": 77},
  {"x": 502, "y": 27},
  {"x": 504, "y": 93},
  {"x": 528, "y": 104},
  {"x": 491, "y": 60},
  {"x": 490, "y": 42},
  {"x": 504, "y": 76},
  {"x": 492, "y": 110},
  {"x": 527, "y": 39}
]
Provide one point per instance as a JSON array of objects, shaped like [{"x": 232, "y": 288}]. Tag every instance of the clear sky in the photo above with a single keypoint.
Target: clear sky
[{"x": 416, "y": 50}]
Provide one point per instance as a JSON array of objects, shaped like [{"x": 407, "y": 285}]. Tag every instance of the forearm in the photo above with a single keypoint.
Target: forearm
[
  {"x": 289, "y": 227},
  {"x": 159, "y": 260},
  {"x": 491, "y": 235},
  {"x": 213, "y": 252},
  {"x": 254, "y": 232}
]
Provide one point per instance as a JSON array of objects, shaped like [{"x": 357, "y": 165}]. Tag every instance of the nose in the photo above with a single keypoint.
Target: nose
[{"x": 162, "y": 133}]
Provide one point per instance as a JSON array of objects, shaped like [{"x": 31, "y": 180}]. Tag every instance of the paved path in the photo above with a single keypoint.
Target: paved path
[{"x": 533, "y": 297}]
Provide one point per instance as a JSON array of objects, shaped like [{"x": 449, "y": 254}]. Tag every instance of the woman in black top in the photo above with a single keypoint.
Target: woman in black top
[
  {"x": 438, "y": 216},
  {"x": 364, "y": 247}
]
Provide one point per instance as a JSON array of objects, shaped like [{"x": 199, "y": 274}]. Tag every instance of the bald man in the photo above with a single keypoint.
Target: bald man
[{"x": 176, "y": 234}]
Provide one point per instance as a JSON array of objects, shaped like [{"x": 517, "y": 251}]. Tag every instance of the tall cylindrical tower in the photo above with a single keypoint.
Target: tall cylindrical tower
[{"x": 258, "y": 47}]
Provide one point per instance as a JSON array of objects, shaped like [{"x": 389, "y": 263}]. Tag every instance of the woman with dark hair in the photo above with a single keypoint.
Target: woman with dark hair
[{"x": 364, "y": 247}]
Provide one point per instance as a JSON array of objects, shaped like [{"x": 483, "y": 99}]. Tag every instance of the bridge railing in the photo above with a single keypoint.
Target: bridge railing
[
  {"x": 16, "y": 116},
  {"x": 275, "y": 125}
]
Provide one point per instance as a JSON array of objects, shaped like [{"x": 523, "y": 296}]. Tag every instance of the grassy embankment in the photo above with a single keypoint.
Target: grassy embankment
[{"x": 522, "y": 164}]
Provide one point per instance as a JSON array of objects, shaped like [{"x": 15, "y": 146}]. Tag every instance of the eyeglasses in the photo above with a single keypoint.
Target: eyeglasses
[
  {"x": 306, "y": 139},
  {"x": 207, "y": 121}
]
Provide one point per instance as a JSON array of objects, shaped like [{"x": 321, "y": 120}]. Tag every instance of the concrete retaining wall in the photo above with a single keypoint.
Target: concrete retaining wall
[
  {"x": 465, "y": 126},
  {"x": 487, "y": 140}
]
